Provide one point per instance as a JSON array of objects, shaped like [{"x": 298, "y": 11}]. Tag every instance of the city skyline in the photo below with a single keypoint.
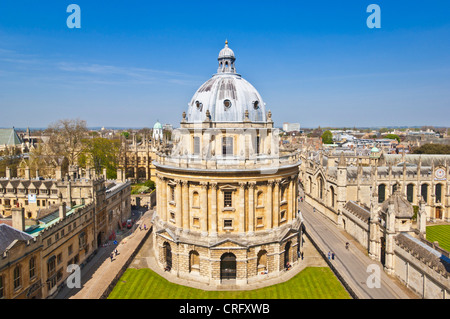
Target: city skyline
[{"x": 315, "y": 64}]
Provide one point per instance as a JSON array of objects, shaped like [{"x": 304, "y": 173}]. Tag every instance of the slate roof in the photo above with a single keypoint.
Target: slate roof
[{"x": 9, "y": 234}]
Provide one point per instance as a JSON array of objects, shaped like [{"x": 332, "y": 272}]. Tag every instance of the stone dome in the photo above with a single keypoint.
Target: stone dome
[{"x": 227, "y": 96}]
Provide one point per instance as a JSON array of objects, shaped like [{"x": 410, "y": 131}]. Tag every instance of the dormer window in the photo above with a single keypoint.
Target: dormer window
[
  {"x": 256, "y": 105},
  {"x": 199, "y": 105}
]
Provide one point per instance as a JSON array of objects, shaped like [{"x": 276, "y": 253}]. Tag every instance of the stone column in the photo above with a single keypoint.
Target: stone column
[
  {"x": 291, "y": 204},
  {"x": 251, "y": 207},
  {"x": 276, "y": 211},
  {"x": 178, "y": 203},
  {"x": 204, "y": 209},
  {"x": 269, "y": 213},
  {"x": 214, "y": 209},
  {"x": 241, "y": 207},
  {"x": 185, "y": 206},
  {"x": 164, "y": 187}
]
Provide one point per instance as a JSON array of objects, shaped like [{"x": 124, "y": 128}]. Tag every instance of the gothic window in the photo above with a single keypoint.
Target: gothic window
[
  {"x": 332, "y": 196},
  {"x": 438, "y": 193},
  {"x": 410, "y": 192},
  {"x": 424, "y": 192},
  {"x": 381, "y": 193}
]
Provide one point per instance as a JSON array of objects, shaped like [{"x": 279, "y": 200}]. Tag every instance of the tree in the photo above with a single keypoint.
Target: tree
[
  {"x": 66, "y": 139},
  {"x": 392, "y": 137},
  {"x": 327, "y": 137},
  {"x": 101, "y": 153},
  {"x": 432, "y": 149}
]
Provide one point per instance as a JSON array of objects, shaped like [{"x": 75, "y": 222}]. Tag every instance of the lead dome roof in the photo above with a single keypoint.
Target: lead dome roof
[{"x": 226, "y": 95}]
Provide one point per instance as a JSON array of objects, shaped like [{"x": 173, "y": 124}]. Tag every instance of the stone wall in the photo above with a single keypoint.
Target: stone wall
[{"x": 421, "y": 270}]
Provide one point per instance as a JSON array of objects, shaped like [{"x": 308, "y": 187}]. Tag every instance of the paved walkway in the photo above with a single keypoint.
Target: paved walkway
[
  {"x": 99, "y": 273},
  {"x": 351, "y": 264}
]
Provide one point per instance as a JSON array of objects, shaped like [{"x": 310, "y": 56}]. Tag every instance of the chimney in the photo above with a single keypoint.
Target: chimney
[
  {"x": 18, "y": 218},
  {"x": 62, "y": 211},
  {"x": 27, "y": 173},
  {"x": 104, "y": 173},
  {"x": 8, "y": 172}
]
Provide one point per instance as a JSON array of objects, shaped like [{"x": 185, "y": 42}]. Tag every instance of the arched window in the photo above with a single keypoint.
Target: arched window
[
  {"x": 381, "y": 193},
  {"x": 320, "y": 187},
  {"x": 332, "y": 196},
  {"x": 424, "y": 192},
  {"x": 438, "y": 193},
  {"x": 410, "y": 192},
  {"x": 195, "y": 199},
  {"x": 260, "y": 199}
]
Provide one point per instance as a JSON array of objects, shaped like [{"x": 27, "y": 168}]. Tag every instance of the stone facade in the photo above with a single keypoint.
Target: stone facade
[{"x": 227, "y": 195}]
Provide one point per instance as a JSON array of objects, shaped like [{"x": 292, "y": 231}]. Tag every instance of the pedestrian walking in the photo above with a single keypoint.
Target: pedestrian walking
[
  {"x": 346, "y": 245},
  {"x": 332, "y": 255},
  {"x": 145, "y": 227},
  {"x": 116, "y": 251},
  {"x": 329, "y": 255},
  {"x": 111, "y": 256}
]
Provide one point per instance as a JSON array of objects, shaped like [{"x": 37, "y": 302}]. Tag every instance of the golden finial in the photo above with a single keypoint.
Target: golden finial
[{"x": 226, "y": 41}]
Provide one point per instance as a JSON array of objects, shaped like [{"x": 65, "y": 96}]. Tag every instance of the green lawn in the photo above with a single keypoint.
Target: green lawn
[
  {"x": 441, "y": 234},
  {"x": 311, "y": 283}
]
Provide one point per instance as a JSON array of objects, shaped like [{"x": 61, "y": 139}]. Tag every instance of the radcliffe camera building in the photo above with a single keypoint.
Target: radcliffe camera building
[{"x": 227, "y": 204}]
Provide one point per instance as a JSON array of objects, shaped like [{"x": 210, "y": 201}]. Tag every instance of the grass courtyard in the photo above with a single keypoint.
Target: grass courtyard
[
  {"x": 441, "y": 234},
  {"x": 311, "y": 283}
]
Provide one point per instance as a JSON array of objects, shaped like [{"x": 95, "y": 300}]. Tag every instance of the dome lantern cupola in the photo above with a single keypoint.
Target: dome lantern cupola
[{"x": 226, "y": 60}]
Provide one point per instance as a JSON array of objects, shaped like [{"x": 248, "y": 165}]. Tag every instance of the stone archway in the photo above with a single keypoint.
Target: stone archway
[{"x": 228, "y": 266}]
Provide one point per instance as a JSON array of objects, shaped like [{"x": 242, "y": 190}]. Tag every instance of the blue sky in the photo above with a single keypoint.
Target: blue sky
[{"x": 313, "y": 62}]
